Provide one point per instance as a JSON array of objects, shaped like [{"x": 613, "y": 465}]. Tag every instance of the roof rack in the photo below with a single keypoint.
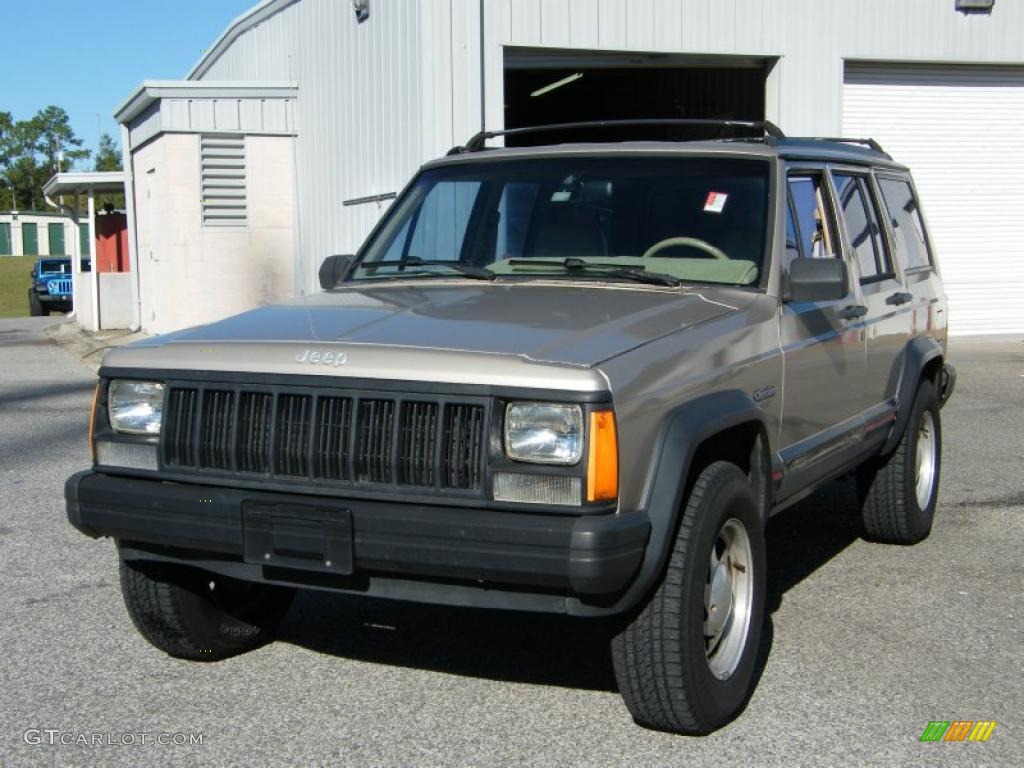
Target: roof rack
[
  {"x": 476, "y": 143},
  {"x": 866, "y": 142}
]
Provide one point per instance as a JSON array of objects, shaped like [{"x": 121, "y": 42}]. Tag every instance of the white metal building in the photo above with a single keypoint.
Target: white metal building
[{"x": 289, "y": 136}]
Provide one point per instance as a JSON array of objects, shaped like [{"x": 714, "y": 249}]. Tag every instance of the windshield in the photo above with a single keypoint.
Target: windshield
[
  {"x": 675, "y": 219},
  {"x": 54, "y": 266}
]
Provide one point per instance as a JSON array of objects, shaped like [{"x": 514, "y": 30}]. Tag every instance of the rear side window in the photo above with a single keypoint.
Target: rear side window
[
  {"x": 907, "y": 225},
  {"x": 863, "y": 229}
]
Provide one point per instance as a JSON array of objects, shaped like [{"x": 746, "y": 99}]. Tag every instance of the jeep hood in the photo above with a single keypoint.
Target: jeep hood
[{"x": 437, "y": 324}]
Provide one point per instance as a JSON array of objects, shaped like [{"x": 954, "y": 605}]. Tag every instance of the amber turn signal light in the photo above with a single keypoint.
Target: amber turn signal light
[{"x": 603, "y": 459}]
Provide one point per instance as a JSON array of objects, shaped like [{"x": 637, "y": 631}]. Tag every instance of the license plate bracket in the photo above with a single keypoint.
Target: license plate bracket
[{"x": 298, "y": 536}]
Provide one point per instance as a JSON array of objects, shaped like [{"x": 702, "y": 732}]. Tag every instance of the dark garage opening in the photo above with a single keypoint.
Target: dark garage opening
[{"x": 538, "y": 95}]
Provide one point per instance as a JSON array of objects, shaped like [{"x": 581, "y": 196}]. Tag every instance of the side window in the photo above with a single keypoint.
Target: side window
[
  {"x": 860, "y": 217},
  {"x": 907, "y": 225},
  {"x": 792, "y": 236},
  {"x": 441, "y": 225},
  {"x": 809, "y": 230}
]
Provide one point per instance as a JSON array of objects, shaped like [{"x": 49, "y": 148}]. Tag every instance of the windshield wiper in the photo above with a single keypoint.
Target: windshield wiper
[
  {"x": 633, "y": 272},
  {"x": 469, "y": 270}
]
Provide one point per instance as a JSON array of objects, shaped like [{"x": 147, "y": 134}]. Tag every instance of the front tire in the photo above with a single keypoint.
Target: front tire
[
  {"x": 192, "y": 614},
  {"x": 35, "y": 306},
  {"x": 898, "y": 492},
  {"x": 686, "y": 662}
]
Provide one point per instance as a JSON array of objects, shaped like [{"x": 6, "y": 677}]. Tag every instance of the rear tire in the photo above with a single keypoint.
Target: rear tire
[
  {"x": 192, "y": 614},
  {"x": 898, "y": 492},
  {"x": 686, "y": 662}
]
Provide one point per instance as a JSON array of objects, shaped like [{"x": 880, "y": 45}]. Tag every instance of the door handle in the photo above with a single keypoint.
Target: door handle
[
  {"x": 852, "y": 312},
  {"x": 899, "y": 298}
]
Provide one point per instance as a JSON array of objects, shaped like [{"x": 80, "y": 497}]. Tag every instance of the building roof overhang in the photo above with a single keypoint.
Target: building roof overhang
[
  {"x": 97, "y": 182},
  {"x": 151, "y": 91}
]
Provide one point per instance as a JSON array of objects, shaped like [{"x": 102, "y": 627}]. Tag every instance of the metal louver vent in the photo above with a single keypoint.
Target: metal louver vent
[{"x": 222, "y": 164}]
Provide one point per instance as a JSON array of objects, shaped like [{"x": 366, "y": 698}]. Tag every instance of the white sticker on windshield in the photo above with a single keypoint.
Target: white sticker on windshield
[{"x": 715, "y": 202}]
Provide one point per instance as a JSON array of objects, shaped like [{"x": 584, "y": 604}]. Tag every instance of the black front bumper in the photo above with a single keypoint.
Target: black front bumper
[
  {"x": 52, "y": 301},
  {"x": 440, "y": 551}
]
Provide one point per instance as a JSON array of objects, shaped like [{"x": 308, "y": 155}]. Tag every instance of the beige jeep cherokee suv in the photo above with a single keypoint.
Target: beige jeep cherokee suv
[{"x": 572, "y": 378}]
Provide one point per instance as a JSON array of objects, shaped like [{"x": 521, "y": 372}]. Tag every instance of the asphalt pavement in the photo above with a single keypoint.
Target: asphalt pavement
[{"x": 865, "y": 644}]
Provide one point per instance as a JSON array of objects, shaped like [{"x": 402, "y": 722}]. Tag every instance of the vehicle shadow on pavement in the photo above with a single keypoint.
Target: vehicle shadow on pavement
[
  {"x": 546, "y": 649},
  {"x": 805, "y": 537}
]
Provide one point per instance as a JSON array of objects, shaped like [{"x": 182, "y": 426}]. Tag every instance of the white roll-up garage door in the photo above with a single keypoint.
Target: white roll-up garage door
[{"x": 961, "y": 131}]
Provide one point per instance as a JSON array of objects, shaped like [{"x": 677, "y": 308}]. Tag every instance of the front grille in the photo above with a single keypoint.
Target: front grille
[
  {"x": 59, "y": 287},
  {"x": 179, "y": 421},
  {"x": 333, "y": 427},
  {"x": 417, "y": 443},
  {"x": 463, "y": 436},
  {"x": 252, "y": 444},
  {"x": 292, "y": 455},
  {"x": 215, "y": 430},
  {"x": 326, "y": 438}
]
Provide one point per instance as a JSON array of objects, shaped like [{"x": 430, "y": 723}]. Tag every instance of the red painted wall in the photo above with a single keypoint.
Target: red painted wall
[{"x": 112, "y": 242}]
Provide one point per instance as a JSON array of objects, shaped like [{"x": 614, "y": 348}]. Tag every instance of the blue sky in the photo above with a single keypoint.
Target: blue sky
[{"x": 87, "y": 57}]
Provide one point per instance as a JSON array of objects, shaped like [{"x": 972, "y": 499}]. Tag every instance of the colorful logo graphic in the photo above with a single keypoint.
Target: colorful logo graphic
[{"x": 958, "y": 730}]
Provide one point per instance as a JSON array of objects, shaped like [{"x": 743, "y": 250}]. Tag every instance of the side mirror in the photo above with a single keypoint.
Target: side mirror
[
  {"x": 818, "y": 280},
  {"x": 334, "y": 269}
]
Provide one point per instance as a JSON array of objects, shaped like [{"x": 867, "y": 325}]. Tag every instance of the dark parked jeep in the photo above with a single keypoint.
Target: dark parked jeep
[{"x": 572, "y": 378}]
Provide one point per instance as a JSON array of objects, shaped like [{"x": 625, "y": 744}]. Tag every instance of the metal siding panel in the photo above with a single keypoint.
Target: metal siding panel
[
  {"x": 200, "y": 115},
  {"x": 584, "y": 23},
  {"x": 612, "y": 24},
  {"x": 640, "y": 24},
  {"x": 175, "y": 114},
  {"x": 556, "y": 26},
  {"x": 55, "y": 239},
  {"x": 275, "y": 116},
  {"x": 931, "y": 118},
  {"x": 250, "y": 115},
  {"x": 29, "y": 239},
  {"x": 526, "y": 27},
  {"x": 225, "y": 114},
  {"x": 378, "y": 99},
  {"x": 668, "y": 15}
]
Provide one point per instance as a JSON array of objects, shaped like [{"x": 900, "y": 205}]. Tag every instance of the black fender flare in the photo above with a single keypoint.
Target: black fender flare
[
  {"x": 916, "y": 355},
  {"x": 683, "y": 430}
]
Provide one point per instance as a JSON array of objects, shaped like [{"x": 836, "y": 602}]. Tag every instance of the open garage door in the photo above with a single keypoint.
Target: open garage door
[
  {"x": 570, "y": 86},
  {"x": 960, "y": 129}
]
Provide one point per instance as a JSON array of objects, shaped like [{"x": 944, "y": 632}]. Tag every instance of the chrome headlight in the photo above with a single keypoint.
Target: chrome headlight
[
  {"x": 135, "y": 407},
  {"x": 544, "y": 433}
]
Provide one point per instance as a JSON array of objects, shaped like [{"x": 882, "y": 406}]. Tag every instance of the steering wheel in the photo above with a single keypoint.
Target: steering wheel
[{"x": 692, "y": 242}]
